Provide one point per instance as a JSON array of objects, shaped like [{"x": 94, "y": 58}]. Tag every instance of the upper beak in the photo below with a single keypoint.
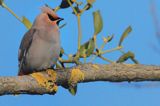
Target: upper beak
[{"x": 60, "y": 19}]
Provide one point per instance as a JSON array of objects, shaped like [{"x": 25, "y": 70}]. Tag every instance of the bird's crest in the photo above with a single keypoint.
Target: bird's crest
[{"x": 49, "y": 11}]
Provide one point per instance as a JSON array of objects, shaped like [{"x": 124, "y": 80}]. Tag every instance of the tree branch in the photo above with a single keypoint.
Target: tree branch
[{"x": 79, "y": 74}]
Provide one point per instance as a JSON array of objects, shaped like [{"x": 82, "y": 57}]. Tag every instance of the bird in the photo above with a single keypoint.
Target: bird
[{"x": 40, "y": 46}]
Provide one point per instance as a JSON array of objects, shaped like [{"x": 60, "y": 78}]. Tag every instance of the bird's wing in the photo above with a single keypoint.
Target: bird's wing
[{"x": 24, "y": 46}]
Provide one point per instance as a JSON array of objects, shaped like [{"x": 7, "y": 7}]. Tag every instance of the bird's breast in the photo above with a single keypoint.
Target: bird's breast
[{"x": 44, "y": 51}]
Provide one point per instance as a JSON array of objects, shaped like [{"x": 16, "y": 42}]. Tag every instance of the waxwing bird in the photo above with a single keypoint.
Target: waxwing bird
[{"x": 40, "y": 46}]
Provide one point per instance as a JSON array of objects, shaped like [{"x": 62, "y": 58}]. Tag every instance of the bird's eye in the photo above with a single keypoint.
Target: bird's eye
[{"x": 51, "y": 17}]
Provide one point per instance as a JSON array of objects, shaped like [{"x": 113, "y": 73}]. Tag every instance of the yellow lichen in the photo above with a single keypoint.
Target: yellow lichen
[
  {"x": 52, "y": 74},
  {"x": 55, "y": 88},
  {"x": 39, "y": 78},
  {"x": 47, "y": 82},
  {"x": 96, "y": 66},
  {"x": 129, "y": 65},
  {"x": 76, "y": 75}
]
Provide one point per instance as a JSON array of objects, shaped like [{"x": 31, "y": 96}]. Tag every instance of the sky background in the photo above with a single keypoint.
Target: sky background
[{"x": 117, "y": 15}]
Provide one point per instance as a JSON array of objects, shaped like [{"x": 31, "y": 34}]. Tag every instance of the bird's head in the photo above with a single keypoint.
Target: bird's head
[
  {"x": 51, "y": 15},
  {"x": 48, "y": 16}
]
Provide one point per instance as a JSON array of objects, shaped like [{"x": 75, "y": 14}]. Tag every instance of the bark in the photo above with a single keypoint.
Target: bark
[{"x": 28, "y": 84}]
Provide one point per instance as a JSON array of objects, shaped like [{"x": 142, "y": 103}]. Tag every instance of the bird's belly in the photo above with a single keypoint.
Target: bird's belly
[{"x": 42, "y": 56}]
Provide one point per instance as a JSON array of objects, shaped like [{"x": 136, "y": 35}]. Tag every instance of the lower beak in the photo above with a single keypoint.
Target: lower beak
[{"x": 59, "y": 20}]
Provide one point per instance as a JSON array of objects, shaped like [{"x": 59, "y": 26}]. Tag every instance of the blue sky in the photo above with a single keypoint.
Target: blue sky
[{"x": 117, "y": 15}]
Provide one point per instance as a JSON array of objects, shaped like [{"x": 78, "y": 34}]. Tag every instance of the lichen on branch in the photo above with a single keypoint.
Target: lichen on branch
[{"x": 86, "y": 73}]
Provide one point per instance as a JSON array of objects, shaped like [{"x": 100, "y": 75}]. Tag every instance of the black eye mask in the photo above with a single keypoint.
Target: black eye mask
[
  {"x": 54, "y": 19},
  {"x": 51, "y": 17}
]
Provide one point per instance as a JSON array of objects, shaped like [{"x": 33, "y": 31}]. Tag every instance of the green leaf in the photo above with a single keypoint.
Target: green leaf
[
  {"x": 1, "y": 2},
  {"x": 126, "y": 56},
  {"x": 108, "y": 39},
  {"x": 87, "y": 49},
  {"x": 98, "y": 23},
  {"x": 89, "y": 4},
  {"x": 61, "y": 52},
  {"x": 124, "y": 35},
  {"x": 26, "y": 22},
  {"x": 73, "y": 90},
  {"x": 76, "y": 9},
  {"x": 91, "y": 1}
]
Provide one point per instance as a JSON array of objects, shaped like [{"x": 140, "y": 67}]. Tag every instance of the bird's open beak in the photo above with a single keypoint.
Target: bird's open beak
[{"x": 59, "y": 20}]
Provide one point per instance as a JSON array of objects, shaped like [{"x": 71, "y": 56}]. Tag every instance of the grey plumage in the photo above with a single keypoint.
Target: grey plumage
[{"x": 40, "y": 46}]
